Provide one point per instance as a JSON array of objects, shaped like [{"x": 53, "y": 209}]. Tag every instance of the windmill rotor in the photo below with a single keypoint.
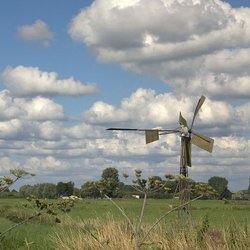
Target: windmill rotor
[{"x": 188, "y": 137}]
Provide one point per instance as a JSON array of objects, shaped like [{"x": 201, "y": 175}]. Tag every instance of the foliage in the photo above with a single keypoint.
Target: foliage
[
  {"x": 15, "y": 175},
  {"x": 145, "y": 186},
  {"x": 43, "y": 190},
  {"x": 89, "y": 190},
  {"x": 65, "y": 188},
  {"x": 109, "y": 183},
  {"x": 110, "y": 173},
  {"x": 220, "y": 185},
  {"x": 40, "y": 207}
]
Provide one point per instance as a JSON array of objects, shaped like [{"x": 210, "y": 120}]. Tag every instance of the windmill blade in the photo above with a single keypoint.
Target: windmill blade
[
  {"x": 182, "y": 120},
  {"x": 198, "y": 106},
  {"x": 202, "y": 141},
  {"x": 169, "y": 132},
  {"x": 142, "y": 129},
  {"x": 151, "y": 136},
  {"x": 128, "y": 129}
]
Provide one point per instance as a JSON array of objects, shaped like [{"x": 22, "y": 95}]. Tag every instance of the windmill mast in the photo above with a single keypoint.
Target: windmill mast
[
  {"x": 188, "y": 137},
  {"x": 184, "y": 212}
]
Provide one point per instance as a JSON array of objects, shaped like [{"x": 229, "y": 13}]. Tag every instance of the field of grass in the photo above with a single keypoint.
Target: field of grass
[{"x": 40, "y": 233}]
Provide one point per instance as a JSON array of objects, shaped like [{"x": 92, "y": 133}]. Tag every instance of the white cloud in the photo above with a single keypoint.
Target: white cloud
[
  {"x": 29, "y": 81},
  {"x": 37, "y": 32},
  {"x": 48, "y": 164},
  {"x": 8, "y": 108},
  {"x": 145, "y": 109},
  {"x": 142, "y": 107},
  {"x": 38, "y": 108},
  {"x": 6, "y": 164},
  {"x": 102, "y": 113},
  {"x": 13, "y": 129},
  {"x": 194, "y": 46}
]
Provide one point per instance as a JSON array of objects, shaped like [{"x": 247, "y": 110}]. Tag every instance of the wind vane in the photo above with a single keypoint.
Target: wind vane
[
  {"x": 188, "y": 137},
  {"x": 187, "y": 134}
]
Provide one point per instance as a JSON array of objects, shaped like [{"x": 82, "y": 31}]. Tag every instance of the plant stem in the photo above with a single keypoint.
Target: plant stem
[
  {"x": 138, "y": 227},
  {"x": 122, "y": 211},
  {"x": 18, "y": 224},
  {"x": 137, "y": 189},
  {"x": 164, "y": 215},
  {"x": 6, "y": 187}
]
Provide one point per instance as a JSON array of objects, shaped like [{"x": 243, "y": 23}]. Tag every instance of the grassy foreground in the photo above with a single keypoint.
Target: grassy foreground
[{"x": 97, "y": 224}]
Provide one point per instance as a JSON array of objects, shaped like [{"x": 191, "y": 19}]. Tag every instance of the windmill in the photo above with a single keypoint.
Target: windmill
[{"x": 188, "y": 137}]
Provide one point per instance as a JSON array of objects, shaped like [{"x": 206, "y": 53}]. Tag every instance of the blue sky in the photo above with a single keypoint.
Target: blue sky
[{"x": 70, "y": 70}]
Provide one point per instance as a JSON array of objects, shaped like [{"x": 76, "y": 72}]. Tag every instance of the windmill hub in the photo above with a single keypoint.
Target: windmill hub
[{"x": 184, "y": 131}]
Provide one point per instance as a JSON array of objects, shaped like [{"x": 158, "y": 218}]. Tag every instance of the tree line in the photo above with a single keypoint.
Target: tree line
[{"x": 110, "y": 184}]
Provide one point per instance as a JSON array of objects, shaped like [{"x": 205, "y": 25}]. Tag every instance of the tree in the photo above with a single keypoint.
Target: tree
[
  {"x": 220, "y": 185},
  {"x": 47, "y": 190},
  {"x": 109, "y": 184},
  {"x": 26, "y": 191},
  {"x": 89, "y": 190},
  {"x": 110, "y": 173},
  {"x": 65, "y": 188},
  {"x": 43, "y": 190}
]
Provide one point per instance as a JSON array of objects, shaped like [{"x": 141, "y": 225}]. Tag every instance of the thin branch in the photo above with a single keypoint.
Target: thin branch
[
  {"x": 19, "y": 224},
  {"x": 6, "y": 187},
  {"x": 141, "y": 215},
  {"x": 137, "y": 189},
  {"x": 121, "y": 210},
  {"x": 163, "y": 216}
]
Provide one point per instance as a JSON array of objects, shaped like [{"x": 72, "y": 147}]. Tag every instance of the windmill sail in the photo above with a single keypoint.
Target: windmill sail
[
  {"x": 202, "y": 141},
  {"x": 182, "y": 120},
  {"x": 151, "y": 136},
  {"x": 199, "y": 104}
]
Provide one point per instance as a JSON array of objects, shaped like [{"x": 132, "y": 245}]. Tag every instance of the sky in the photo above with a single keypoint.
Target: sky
[{"x": 71, "y": 69}]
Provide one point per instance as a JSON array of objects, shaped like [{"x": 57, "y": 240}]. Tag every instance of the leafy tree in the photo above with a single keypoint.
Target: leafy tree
[
  {"x": 47, "y": 190},
  {"x": 90, "y": 190},
  {"x": 65, "y": 188},
  {"x": 77, "y": 192},
  {"x": 109, "y": 183},
  {"x": 220, "y": 185},
  {"x": 110, "y": 173},
  {"x": 42, "y": 190},
  {"x": 26, "y": 191}
]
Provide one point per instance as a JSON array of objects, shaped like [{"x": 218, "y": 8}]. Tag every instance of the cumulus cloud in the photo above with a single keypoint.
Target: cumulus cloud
[
  {"x": 30, "y": 81},
  {"x": 144, "y": 108},
  {"x": 15, "y": 129},
  {"x": 190, "y": 45},
  {"x": 36, "y": 32},
  {"x": 40, "y": 108},
  {"x": 8, "y": 108},
  {"x": 37, "y": 108},
  {"x": 6, "y": 164},
  {"x": 149, "y": 109}
]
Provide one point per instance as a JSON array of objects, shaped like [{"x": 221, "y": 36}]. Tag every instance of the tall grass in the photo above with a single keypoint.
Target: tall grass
[{"x": 95, "y": 234}]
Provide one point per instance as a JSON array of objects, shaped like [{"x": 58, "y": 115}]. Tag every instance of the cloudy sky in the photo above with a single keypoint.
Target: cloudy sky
[{"x": 68, "y": 71}]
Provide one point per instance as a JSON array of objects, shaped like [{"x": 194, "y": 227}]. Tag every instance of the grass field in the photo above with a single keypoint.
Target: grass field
[{"x": 38, "y": 233}]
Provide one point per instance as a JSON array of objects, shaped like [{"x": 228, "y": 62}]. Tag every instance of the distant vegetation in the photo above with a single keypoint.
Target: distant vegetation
[{"x": 115, "y": 188}]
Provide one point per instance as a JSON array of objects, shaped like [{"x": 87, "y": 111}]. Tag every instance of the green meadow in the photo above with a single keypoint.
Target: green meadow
[{"x": 40, "y": 232}]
